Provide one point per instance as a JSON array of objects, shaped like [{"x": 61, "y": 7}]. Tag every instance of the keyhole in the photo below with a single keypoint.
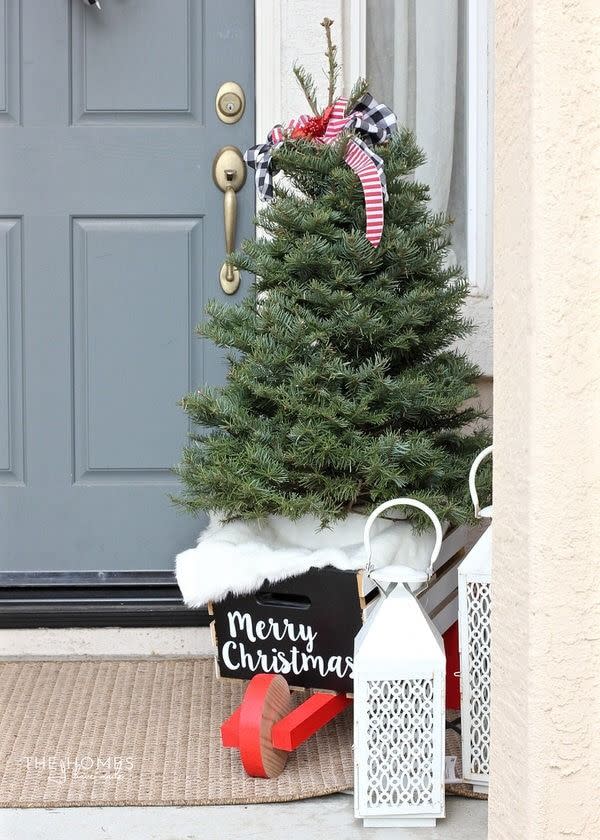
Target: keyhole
[{"x": 230, "y": 102}]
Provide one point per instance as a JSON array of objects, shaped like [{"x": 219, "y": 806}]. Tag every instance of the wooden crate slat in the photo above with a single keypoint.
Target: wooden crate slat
[
  {"x": 441, "y": 586},
  {"x": 447, "y": 613},
  {"x": 453, "y": 541}
]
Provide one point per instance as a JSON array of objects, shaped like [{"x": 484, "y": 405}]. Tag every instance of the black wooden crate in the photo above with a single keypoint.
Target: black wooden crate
[{"x": 302, "y": 627}]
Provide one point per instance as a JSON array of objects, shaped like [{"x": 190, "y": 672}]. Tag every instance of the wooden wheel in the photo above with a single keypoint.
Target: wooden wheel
[{"x": 267, "y": 700}]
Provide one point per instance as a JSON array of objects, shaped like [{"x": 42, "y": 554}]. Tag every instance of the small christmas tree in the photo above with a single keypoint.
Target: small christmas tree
[{"x": 344, "y": 389}]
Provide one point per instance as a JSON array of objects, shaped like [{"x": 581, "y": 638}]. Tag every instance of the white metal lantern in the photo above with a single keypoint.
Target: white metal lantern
[
  {"x": 474, "y": 606},
  {"x": 399, "y": 699}
]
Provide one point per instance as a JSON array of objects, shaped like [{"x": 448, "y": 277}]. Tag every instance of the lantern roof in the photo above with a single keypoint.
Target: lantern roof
[{"x": 478, "y": 560}]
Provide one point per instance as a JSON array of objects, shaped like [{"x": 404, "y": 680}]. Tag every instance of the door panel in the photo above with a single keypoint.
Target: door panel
[
  {"x": 168, "y": 86},
  {"x": 127, "y": 424},
  {"x": 111, "y": 240}
]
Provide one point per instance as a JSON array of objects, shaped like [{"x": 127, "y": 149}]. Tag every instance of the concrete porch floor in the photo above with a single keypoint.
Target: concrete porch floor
[{"x": 312, "y": 819}]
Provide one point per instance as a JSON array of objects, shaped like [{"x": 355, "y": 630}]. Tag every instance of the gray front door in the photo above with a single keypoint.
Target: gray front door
[{"x": 111, "y": 240}]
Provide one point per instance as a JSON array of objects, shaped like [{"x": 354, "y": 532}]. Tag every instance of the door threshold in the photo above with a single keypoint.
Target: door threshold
[{"x": 95, "y": 599}]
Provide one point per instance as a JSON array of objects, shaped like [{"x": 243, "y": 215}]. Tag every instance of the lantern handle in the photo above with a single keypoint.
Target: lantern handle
[
  {"x": 472, "y": 488},
  {"x": 409, "y": 503}
]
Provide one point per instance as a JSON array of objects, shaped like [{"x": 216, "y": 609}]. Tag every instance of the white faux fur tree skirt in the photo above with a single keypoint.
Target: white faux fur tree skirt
[{"x": 238, "y": 556}]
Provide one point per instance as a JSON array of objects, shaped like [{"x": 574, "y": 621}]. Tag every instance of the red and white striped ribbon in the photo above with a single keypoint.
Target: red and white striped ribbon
[
  {"x": 360, "y": 162},
  {"x": 337, "y": 121}
]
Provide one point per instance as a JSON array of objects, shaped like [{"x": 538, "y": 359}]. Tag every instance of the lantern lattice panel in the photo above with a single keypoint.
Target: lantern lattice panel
[
  {"x": 478, "y": 644},
  {"x": 400, "y": 744}
]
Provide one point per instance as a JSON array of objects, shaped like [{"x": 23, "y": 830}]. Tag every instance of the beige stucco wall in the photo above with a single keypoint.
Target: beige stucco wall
[{"x": 546, "y": 580}]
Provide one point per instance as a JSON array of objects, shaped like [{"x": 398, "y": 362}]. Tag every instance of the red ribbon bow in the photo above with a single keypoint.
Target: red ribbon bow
[{"x": 326, "y": 129}]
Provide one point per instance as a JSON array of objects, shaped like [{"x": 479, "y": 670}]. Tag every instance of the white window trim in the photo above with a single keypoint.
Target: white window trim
[
  {"x": 356, "y": 31},
  {"x": 479, "y": 146}
]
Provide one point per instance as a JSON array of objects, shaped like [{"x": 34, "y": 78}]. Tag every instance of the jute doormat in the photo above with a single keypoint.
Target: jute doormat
[{"x": 142, "y": 732}]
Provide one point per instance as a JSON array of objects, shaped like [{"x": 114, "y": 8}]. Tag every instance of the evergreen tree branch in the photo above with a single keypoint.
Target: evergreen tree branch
[
  {"x": 359, "y": 89},
  {"x": 307, "y": 83},
  {"x": 333, "y": 68}
]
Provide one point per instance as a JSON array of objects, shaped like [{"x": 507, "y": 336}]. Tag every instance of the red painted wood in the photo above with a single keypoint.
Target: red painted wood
[
  {"x": 304, "y": 721},
  {"x": 452, "y": 667},
  {"x": 259, "y": 706},
  {"x": 230, "y": 730}
]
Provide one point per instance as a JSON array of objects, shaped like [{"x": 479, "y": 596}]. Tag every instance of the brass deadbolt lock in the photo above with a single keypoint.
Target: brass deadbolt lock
[{"x": 230, "y": 102}]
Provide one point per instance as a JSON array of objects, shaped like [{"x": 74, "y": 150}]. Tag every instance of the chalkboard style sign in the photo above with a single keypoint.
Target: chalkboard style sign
[{"x": 302, "y": 628}]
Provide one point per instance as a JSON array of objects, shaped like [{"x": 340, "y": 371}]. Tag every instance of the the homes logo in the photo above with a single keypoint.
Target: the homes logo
[{"x": 63, "y": 768}]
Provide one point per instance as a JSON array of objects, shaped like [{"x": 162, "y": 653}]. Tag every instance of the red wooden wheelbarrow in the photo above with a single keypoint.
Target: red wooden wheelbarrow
[{"x": 264, "y": 728}]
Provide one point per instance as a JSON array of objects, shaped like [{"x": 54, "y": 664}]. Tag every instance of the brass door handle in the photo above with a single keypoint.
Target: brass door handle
[
  {"x": 230, "y": 218},
  {"x": 229, "y": 174}
]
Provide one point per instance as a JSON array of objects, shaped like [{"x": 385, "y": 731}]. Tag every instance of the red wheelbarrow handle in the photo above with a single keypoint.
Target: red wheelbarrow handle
[{"x": 296, "y": 727}]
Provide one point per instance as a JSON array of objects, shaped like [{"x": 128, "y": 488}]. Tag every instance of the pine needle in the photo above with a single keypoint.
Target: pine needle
[
  {"x": 359, "y": 89},
  {"x": 307, "y": 83}
]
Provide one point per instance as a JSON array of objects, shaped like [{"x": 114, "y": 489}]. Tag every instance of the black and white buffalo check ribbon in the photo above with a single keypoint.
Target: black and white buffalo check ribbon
[{"x": 373, "y": 123}]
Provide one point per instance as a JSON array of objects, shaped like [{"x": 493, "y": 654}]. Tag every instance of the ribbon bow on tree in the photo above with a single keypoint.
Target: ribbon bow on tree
[{"x": 373, "y": 124}]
